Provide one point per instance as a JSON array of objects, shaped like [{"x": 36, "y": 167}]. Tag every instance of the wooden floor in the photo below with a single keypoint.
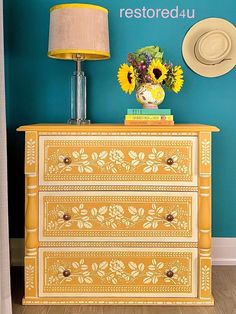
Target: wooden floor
[{"x": 224, "y": 291}]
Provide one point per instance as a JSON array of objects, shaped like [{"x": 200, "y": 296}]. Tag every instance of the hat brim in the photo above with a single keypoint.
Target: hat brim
[{"x": 191, "y": 38}]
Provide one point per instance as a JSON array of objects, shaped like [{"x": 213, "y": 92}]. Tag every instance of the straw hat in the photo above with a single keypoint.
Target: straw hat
[{"x": 209, "y": 47}]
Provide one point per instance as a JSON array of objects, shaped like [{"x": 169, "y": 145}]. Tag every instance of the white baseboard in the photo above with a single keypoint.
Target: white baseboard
[{"x": 223, "y": 253}]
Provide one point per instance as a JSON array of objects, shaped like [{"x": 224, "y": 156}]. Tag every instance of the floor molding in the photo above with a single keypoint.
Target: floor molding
[{"x": 223, "y": 252}]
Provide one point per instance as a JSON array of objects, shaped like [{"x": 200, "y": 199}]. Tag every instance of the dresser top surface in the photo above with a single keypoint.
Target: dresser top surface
[{"x": 118, "y": 128}]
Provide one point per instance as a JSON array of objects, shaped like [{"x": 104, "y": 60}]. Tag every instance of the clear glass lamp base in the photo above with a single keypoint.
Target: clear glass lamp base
[
  {"x": 78, "y": 122},
  {"x": 78, "y": 97}
]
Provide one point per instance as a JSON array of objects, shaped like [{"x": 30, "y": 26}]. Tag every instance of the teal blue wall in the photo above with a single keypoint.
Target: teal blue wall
[{"x": 38, "y": 88}]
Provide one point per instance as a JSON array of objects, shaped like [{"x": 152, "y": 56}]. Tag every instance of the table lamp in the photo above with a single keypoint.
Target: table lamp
[{"x": 78, "y": 32}]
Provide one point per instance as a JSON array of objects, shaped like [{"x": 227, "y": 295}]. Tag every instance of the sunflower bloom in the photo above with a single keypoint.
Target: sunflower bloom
[
  {"x": 157, "y": 71},
  {"x": 126, "y": 78},
  {"x": 178, "y": 79}
]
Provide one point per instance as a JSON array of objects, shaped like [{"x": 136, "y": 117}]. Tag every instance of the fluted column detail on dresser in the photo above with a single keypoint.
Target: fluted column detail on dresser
[
  {"x": 204, "y": 215},
  {"x": 31, "y": 214}
]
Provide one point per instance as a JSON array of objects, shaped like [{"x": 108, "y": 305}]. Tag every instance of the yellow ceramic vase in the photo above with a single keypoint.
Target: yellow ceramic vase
[{"x": 150, "y": 95}]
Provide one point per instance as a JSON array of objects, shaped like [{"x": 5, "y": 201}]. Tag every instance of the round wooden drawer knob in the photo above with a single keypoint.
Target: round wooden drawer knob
[
  {"x": 66, "y": 217},
  {"x": 67, "y": 160},
  {"x": 169, "y": 217},
  {"x": 170, "y": 274},
  {"x": 170, "y": 161},
  {"x": 66, "y": 273}
]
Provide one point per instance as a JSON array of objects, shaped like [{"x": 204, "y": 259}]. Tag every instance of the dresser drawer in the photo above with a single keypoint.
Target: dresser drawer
[
  {"x": 112, "y": 160},
  {"x": 117, "y": 272},
  {"x": 118, "y": 216}
]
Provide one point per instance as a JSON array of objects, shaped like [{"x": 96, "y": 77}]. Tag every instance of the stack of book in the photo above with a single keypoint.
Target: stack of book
[{"x": 149, "y": 117}]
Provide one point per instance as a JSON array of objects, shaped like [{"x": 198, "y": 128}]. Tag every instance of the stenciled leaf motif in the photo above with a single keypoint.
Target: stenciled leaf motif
[
  {"x": 141, "y": 156},
  {"x": 147, "y": 169},
  {"x": 141, "y": 267},
  {"x": 84, "y": 267},
  {"x": 88, "y": 225},
  {"x": 29, "y": 277},
  {"x": 135, "y": 273},
  {"x": 135, "y": 162},
  {"x": 103, "y": 210},
  {"x": 30, "y": 152},
  {"x": 206, "y": 152},
  {"x": 141, "y": 211},
  {"x": 80, "y": 279},
  {"x": 103, "y": 155},
  {"x": 75, "y": 210},
  {"x": 160, "y": 155},
  {"x": 76, "y": 265},
  {"x": 132, "y": 265},
  {"x": 94, "y": 211},
  {"x": 152, "y": 156},
  {"x": 155, "y": 168},
  {"x": 205, "y": 272},
  {"x": 94, "y": 156},
  {"x": 151, "y": 267},
  {"x": 161, "y": 265},
  {"x": 94, "y": 266},
  {"x": 103, "y": 265},
  {"x": 101, "y": 163},
  {"x": 74, "y": 154},
  {"x": 132, "y": 210},
  {"x": 147, "y": 225},
  {"x": 88, "y": 169},
  {"x": 88, "y": 279},
  {"x": 81, "y": 168},
  {"x": 132, "y": 154},
  {"x": 147, "y": 280},
  {"x": 100, "y": 218},
  {"x": 101, "y": 273}
]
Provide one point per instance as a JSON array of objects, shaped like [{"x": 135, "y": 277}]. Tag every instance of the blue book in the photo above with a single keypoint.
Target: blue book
[{"x": 149, "y": 111}]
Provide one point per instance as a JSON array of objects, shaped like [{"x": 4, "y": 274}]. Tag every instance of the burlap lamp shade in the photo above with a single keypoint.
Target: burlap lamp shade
[
  {"x": 78, "y": 32},
  {"x": 78, "y": 29}
]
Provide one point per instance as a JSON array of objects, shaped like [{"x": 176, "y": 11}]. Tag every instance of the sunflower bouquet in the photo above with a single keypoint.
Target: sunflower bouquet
[{"x": 147, "y": 72}]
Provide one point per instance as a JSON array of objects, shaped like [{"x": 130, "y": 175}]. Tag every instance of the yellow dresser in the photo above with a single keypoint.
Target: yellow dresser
[{"x": 118, "y": 214}]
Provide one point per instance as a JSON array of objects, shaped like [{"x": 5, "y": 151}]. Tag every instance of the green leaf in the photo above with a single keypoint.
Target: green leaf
[{"x": 154, "y": 51}]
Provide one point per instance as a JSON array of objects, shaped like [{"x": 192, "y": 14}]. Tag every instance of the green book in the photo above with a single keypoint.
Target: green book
[{"x": 149, "y": 111}]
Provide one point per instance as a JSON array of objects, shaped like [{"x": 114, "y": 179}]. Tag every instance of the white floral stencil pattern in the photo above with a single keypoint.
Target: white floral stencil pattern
[
  {"x": 116, "y": 271},
  {"x": 114, "y": 216},
  {"x": 115, "y": 161}
]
